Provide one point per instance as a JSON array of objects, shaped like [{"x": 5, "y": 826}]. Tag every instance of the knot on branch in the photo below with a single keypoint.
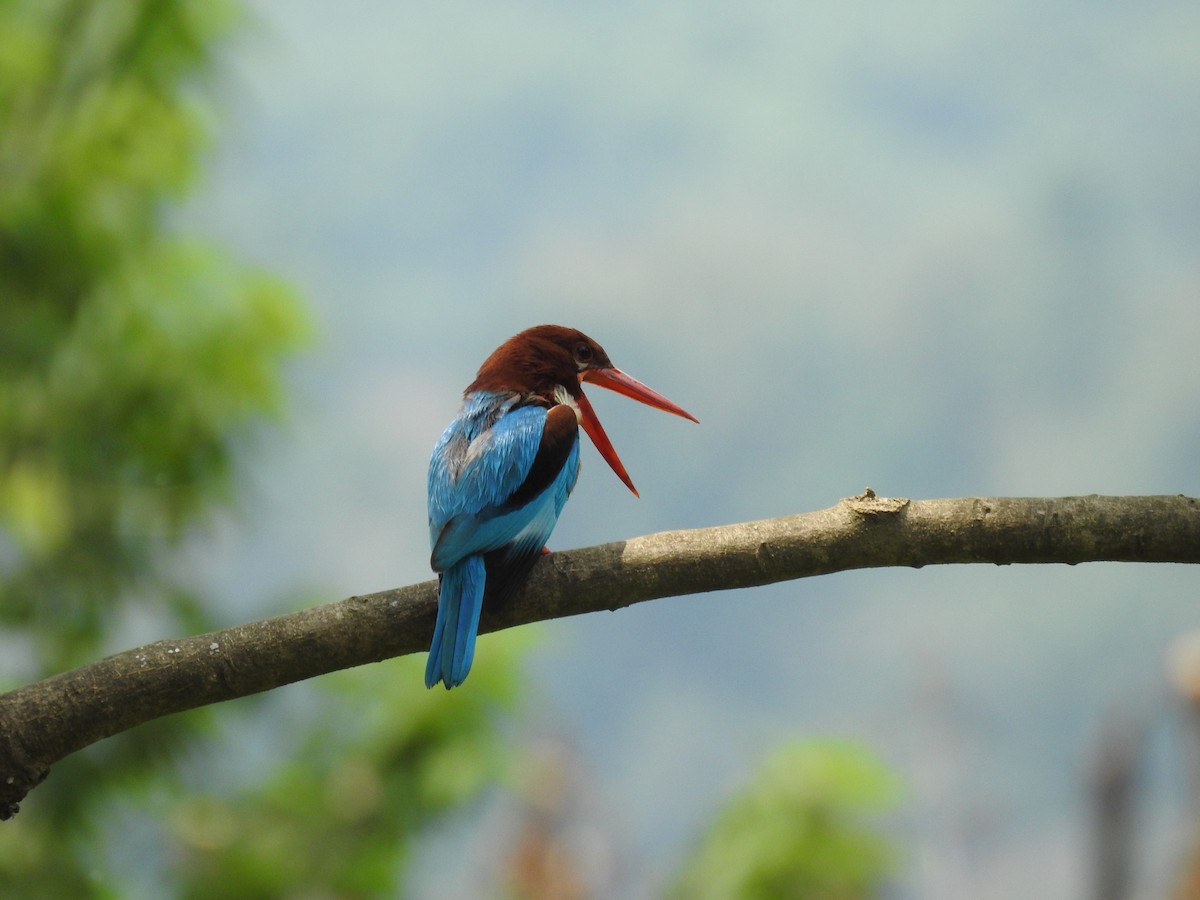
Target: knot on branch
[
  {"x": 14, "y": 787},
  {"x": 868, "y": 504}
]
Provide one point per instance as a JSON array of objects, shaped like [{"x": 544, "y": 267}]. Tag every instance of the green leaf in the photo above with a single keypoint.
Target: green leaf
[{"x": 799, "y": 829}]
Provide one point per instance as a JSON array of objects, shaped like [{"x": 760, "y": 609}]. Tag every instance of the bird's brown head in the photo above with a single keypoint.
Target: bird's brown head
[
  {"x": 552, "y": 362},
  {"x": 539, "y": 360}
]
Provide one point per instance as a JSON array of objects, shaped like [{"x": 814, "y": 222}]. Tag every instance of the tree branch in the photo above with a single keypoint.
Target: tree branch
[{"x": 43, "y": 722}]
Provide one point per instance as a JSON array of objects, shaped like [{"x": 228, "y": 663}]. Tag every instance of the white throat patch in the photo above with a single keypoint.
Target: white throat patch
[{"x": 561, "y": 395}]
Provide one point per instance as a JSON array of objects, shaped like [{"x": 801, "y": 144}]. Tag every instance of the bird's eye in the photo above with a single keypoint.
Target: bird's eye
[{"x": 583, "y": 354}]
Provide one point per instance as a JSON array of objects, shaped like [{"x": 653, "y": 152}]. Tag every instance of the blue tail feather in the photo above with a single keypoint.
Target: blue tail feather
[{"x": 460, "y": 601}]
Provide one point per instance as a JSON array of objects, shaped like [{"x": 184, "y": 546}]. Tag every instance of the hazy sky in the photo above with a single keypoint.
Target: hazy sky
[{"x": 936, "y": 248}]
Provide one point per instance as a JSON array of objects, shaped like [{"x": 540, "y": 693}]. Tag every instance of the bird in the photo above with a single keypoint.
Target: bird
[{"x": 501, "y": 473}]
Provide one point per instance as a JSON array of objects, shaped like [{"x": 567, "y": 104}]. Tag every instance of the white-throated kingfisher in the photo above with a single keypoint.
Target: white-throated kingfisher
[{"x": 502, "y": 471}]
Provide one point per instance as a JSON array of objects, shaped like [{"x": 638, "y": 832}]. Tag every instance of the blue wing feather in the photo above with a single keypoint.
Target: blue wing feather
[{"x": 480, "y": 462}]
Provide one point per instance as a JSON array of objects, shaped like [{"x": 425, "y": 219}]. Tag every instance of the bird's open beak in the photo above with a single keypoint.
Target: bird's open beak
[{"x": 616, "y": 380}]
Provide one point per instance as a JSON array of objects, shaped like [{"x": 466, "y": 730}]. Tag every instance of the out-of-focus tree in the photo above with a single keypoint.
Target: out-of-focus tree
[
  {"x": 131, "y": 360},
  {"x": 800, "y": 829},
  {"x": 134, "y": 362}
]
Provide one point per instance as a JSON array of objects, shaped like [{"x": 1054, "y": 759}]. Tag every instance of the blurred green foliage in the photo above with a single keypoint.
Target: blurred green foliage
[
  {"x": 799, "y": 829},
  {"x": 131, "y": 360},
  {"x": 338, "y": 819}
]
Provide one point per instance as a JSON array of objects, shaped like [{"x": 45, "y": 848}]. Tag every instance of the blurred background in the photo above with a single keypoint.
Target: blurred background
[{"x": 250, "y": 260}]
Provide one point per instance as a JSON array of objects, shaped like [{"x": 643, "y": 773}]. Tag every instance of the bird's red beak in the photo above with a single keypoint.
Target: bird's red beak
[{"x": 616, "y": 380}]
